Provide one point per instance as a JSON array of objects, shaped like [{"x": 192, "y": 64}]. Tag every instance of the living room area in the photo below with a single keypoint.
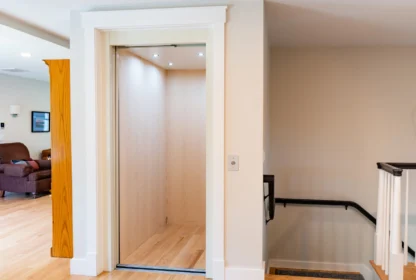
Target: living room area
[
  {"x": 25, "y": 110},
  {"x": 25, "y": 138},
  {"x": 27, "y": 123}
]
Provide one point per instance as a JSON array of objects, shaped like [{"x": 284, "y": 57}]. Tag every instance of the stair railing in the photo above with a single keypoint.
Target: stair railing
[
  {"x": 269, "y": 201},
  {"x": 388, "y": 245}
]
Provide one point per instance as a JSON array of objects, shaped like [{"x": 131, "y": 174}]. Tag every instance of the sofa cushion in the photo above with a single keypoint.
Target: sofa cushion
[
  {"x": 39, "y": 175},
  {"x": 29, "y": 162},
  {"x": 44, "y": 164},
  {"x": 17, "y": 170}
]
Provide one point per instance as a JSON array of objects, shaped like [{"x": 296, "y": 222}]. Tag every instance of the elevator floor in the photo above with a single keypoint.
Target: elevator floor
[{"x": 174, "y": 246}]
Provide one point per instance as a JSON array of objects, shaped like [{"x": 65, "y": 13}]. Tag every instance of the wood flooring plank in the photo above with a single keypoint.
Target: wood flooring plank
[
  {"x": 190, "y": 253},
  {"x": 165, "y": 246},
  {"x": 140, "y": 253},
  {"x": 171, "y": 247},
  {"x": 169, "y": 257}
]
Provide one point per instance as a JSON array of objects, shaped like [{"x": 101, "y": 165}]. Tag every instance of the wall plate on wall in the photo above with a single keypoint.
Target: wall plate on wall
[{"x": 233, "y": 163}]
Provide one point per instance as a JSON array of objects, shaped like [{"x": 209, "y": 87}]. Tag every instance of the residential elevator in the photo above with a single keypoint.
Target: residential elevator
[{"x": 161, "y": 123}]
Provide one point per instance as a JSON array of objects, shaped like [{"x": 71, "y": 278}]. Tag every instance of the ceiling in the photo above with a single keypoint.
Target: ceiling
[
  {"x": 289, "y": 22},
  {"x": 14, "y": 42},
  {"x": 181, "y": 57}
]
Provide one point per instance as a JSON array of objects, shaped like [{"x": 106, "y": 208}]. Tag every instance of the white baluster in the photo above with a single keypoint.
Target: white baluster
[
  {"x": 385, "y": 233},
  {"x": 396, "y": 254},
  {"x": 406, "y": 220},
  {"x": 387, "y": 226},
  {"x": 380, "y": 218}
]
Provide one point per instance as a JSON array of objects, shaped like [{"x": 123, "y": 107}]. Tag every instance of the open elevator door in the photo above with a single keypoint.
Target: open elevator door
[{"x": 161, "y": 93}]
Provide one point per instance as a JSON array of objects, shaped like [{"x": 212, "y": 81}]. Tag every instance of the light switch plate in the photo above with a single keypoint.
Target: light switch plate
[{"x": 233, "y": 163}]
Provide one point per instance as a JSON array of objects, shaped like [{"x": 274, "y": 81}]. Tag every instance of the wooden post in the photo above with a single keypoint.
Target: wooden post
[{"x": 62, "y": 235}]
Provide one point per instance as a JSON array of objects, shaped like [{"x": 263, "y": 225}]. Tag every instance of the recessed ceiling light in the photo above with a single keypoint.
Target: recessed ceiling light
[
  {"x": 201, "y": 54},
  {"x": 25, "y": 54},
  {"x": 155, "y": 55},
  {"x": 170, "y": 63}
]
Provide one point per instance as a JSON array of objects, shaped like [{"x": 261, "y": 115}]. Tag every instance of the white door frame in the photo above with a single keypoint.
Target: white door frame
[{"x": 102, "y": 30}]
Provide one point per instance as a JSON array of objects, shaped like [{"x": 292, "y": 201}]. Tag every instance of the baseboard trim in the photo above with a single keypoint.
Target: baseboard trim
[
  {"x": 366, "y": 271},
  {"x": 218, "y": 270},
  {"x": 242, "y": 273},
  {"x": 85, "y": 266}
]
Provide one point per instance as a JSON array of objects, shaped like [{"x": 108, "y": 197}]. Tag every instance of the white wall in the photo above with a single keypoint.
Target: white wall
[
  {"x": 335, "y": 113},
  {"x": 243, "y": 136},
  {"x": 31, "y": 95}
]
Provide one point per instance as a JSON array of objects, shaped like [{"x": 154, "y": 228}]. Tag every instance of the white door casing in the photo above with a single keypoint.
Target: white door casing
[{"x": 101, "y": 31}]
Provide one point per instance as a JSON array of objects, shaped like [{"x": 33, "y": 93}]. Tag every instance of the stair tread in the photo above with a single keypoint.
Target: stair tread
[
  {"x": 409, "y": 271},
  {"x": 285, "y": 277}
]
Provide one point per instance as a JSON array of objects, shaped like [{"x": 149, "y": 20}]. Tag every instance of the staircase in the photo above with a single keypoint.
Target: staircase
[
  {"x": 284, "y": 277},
  {"x": 391, "y": 254},
  {"x": 409, "y": 271},
  {"x": 270, "y": 202},
  {"x": 289, "y": 273}
]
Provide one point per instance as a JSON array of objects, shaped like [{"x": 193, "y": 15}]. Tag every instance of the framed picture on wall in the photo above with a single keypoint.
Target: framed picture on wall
[{"x": 41, "y": 121}]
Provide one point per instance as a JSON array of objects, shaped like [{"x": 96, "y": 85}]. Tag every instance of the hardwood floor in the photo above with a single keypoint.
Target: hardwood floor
[
  {"x": 25, "y": 242},
  {"x": 173, "y": 246}
]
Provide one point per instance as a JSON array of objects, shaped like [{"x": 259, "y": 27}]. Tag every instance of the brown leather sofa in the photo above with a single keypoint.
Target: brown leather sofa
[{"x": 22, "y": 178}]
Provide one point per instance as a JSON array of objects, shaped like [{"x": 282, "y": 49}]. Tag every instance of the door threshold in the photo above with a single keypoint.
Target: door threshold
[{"x": 159, "y": 269}]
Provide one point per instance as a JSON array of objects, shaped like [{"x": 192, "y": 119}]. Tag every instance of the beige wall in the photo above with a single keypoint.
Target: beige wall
[
  {"x": 185, "y": 146},
  {"x": 335, "y": 113},
  {"x": 142, "y": 94},
  {"x": 244, "y": 137}
]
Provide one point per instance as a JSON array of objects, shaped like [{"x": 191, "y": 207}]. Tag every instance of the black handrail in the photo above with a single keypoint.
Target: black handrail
[
  {"x": 344, "y": 203},
  {"x": 395, "y": 168}
]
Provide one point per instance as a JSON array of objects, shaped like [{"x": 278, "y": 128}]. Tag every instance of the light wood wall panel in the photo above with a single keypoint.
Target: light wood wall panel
[
  {"x": 141, "y": 91},
  {"x": 62, "y": 238},
  {"x": 185, "y": 146}
]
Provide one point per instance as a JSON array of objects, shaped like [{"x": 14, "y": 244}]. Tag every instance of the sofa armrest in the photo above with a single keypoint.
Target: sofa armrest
[
  {"x": 2, "y": 167},
  {"x": 17, "y": 170},
  {"x": 44, "y": 164}
]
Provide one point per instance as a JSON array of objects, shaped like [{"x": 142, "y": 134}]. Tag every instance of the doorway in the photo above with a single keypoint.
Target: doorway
[{"x": 161, "y": 126}]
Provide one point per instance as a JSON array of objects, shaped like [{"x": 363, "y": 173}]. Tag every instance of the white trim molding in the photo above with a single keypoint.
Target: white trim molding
[
  {"x": 87, "y": 265},
  {"x": 244, "y": 273},
  {"x": 95, "y": 240},
  {"x": 365, "y": 270}
]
